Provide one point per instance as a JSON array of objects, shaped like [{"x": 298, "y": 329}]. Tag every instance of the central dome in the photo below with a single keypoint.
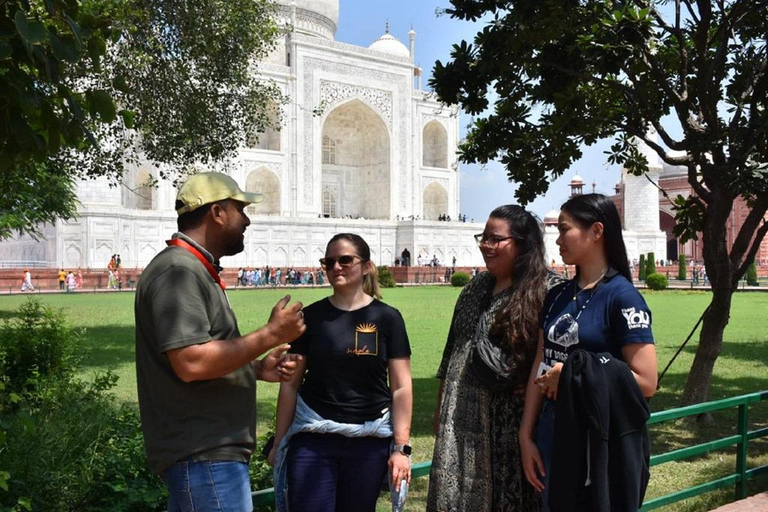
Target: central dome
[
  {"x": 326, "y": 8},
  {"x": 389, "y": 44}
]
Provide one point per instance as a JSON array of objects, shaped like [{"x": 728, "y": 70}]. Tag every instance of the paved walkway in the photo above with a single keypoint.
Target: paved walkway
[{"x": 756, "y": 503}]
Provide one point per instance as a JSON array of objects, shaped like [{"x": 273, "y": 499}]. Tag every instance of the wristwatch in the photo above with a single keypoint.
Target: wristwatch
[{"x": 405, "y": 449}]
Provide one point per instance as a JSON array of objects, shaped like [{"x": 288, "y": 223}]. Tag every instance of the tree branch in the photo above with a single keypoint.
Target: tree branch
[
  {"x": 691, "y": 12},
  {"x": 753, "y": 220},
  {"x": 698, "y": 187},
  {"x": 759, "y": 237},
  {"x": 680, "y": 160}
]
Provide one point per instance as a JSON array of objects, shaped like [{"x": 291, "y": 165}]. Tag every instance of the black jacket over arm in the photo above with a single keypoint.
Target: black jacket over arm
[{"x": 599, "y": 400}]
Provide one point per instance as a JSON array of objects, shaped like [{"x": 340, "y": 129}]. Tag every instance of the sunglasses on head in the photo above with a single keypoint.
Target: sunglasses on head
[{"x": 344, "y": 261}]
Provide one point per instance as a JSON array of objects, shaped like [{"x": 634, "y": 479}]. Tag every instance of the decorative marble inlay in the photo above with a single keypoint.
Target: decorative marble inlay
[
  {"x": 252, "y": 165},
  {"x": 332, "y": 93}
]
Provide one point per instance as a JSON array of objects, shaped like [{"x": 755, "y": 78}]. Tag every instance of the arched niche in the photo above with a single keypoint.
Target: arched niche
[
  {"x": 667, "y": 224},
  {"x": 435, "y": 201},
  {"x": 356, "y": 170},
  {"x": 435, "y": 145},
  {"x": 264, "y": 181}
]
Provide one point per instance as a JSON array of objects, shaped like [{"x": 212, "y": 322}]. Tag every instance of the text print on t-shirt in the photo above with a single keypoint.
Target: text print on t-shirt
[
  {"x": 636, "y": 319},
  {"x": 366, "y": 341}
]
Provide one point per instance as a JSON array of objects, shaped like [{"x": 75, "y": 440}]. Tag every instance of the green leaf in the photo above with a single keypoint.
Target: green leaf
[
  {"x": 32, "y": 31},
  {"x": 96, "y": 48},
  {"x": 120, "y": 84},
  {"x": 5, "y": 50},
  {"x": 129, "y": 117},
  {"x": 74, "y": 27},
  {"x": 54, "y": 139},
  {"x": 100, "y": 102},
  {"x": 65, "y": 49}
]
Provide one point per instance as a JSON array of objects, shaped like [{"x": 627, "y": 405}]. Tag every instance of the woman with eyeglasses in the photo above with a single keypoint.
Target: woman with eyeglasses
[
  {"x": 476, "y": 463},
  {"x": 598, "y": 321},
  {"x": 344, "y": 420}
]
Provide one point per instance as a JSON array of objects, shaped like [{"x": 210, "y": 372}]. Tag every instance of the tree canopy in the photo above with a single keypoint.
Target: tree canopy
[
  {"x": 546, "y": 77},
  {"x": 88, "y": 86}
]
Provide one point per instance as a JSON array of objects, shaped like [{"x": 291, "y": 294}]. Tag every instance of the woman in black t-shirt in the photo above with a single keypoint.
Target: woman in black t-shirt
[{"x": 351, "y": 397}]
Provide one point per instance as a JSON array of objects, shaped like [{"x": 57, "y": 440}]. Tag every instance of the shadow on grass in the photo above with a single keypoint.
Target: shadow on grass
[
  {"x": 424, "y": 402},
  {"x": 7, "y": 315},
  {"x": 721, "y": 387},
  {"x": 108, "y": 345},
  {"x": 685, "y": 432}
]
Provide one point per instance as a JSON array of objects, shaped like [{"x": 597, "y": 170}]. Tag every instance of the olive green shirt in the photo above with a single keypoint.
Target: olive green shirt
[{"x": 179, "y": 304}]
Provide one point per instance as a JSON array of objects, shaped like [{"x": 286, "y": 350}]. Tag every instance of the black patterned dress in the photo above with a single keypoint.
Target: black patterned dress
[{"x": 476, "y": 464}]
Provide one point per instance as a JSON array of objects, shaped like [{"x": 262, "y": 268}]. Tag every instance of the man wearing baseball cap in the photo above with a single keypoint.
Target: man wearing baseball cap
[{"x": 196, "y": 374}]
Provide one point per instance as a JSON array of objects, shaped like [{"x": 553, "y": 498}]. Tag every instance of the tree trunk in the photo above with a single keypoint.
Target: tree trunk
[
  {"x": 710, "y": 347},
  {"x": 720, "y": 271}
]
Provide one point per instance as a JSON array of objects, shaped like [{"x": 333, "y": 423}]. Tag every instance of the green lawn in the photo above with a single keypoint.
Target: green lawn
[{"x": 107, "y": 320}]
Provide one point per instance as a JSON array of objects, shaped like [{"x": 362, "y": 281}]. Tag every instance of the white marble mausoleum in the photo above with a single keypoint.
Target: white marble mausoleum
[{"x": 361, "y": 148}]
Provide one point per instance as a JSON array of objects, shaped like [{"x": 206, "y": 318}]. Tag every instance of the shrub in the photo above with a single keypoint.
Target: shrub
[
  {"x": 460, "y": 279},
  {"x": 650, "y": 264},
  {"x": 36, "y": 343},
  {"x": 641, "y": 268},
  {"x": 682, "y": 268},
  {"x": 386, "y": 280},
  {"x": 657, "y": 281},
  {"x": 752, "y": 275},
  {"x": 68, "y": 445}
]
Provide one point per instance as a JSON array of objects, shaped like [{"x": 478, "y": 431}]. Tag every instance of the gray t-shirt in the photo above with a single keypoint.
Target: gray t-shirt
[{"x": 179, "y": 304}]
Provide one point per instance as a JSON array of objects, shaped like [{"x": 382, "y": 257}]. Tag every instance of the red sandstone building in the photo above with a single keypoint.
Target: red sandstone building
[{"x": 674, "y": 181}]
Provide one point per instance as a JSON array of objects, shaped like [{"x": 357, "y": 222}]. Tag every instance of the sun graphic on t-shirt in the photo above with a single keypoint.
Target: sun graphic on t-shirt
[
  {"x": 366, "y": 328},
  {"x": 366, "y": 340}
]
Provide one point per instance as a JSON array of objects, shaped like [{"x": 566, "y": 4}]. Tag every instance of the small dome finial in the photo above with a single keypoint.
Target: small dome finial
[{"x": 386, "y": 27}]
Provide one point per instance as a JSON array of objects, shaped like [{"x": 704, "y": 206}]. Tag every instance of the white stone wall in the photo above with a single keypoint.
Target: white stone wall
[
  {"x": 441, "y": 239},
  {"x": 550, "y": 245},
  {"x": 641, "y": 202},
  {"x": 643, "y": 242}
]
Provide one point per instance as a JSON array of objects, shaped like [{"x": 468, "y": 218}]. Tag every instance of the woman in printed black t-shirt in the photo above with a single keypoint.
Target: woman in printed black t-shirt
[
  {"x": 344, "y": 419},
  {"x": 599, "y": 310}
]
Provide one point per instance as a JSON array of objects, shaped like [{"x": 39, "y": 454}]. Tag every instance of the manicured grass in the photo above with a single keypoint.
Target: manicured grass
[{"x": 107, "y": 320}]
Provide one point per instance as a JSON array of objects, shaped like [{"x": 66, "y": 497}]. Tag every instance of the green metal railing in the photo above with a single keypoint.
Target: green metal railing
[{"x": 740, "y": 439}]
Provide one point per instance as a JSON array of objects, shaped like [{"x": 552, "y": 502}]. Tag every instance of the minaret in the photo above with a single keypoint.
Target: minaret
[
  {"x": 641, "y": 197},
  {"x": 577, "y": 185},
  {"x": 412, "y": 39}
]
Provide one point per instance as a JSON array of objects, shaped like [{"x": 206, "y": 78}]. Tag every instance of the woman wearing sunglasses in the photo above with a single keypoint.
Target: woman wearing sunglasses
[
  {"x": 476, "y": 463},
  {"x": 344, "y": 420},
  {"x": 596, "y": 315}
]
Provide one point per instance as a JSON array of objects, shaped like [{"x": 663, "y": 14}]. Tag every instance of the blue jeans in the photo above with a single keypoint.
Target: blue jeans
[
  {"x": 208, "y": 486},
  {"x": 545, "y": 441},
  {"x": 334, "y": 473}
]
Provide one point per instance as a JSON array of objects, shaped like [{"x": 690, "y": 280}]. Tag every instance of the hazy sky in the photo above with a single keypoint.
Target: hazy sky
[{"x": 361, "y": 22}]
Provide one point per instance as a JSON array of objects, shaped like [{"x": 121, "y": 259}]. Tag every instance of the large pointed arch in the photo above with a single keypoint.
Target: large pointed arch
[{"x": 356, "y": 162}]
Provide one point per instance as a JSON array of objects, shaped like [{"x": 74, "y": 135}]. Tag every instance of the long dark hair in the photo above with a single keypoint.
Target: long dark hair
[
  {"x": 371, "y": 279},
  {"x": 586, "y": 209},
  {"x": 517, "y": 322}
]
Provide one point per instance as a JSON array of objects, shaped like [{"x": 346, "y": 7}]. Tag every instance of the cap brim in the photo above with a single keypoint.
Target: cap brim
[{"x": 248, "y": 197}]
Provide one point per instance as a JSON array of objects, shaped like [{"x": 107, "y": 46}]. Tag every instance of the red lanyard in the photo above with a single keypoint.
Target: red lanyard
[{"x": 191, "y": 248}]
